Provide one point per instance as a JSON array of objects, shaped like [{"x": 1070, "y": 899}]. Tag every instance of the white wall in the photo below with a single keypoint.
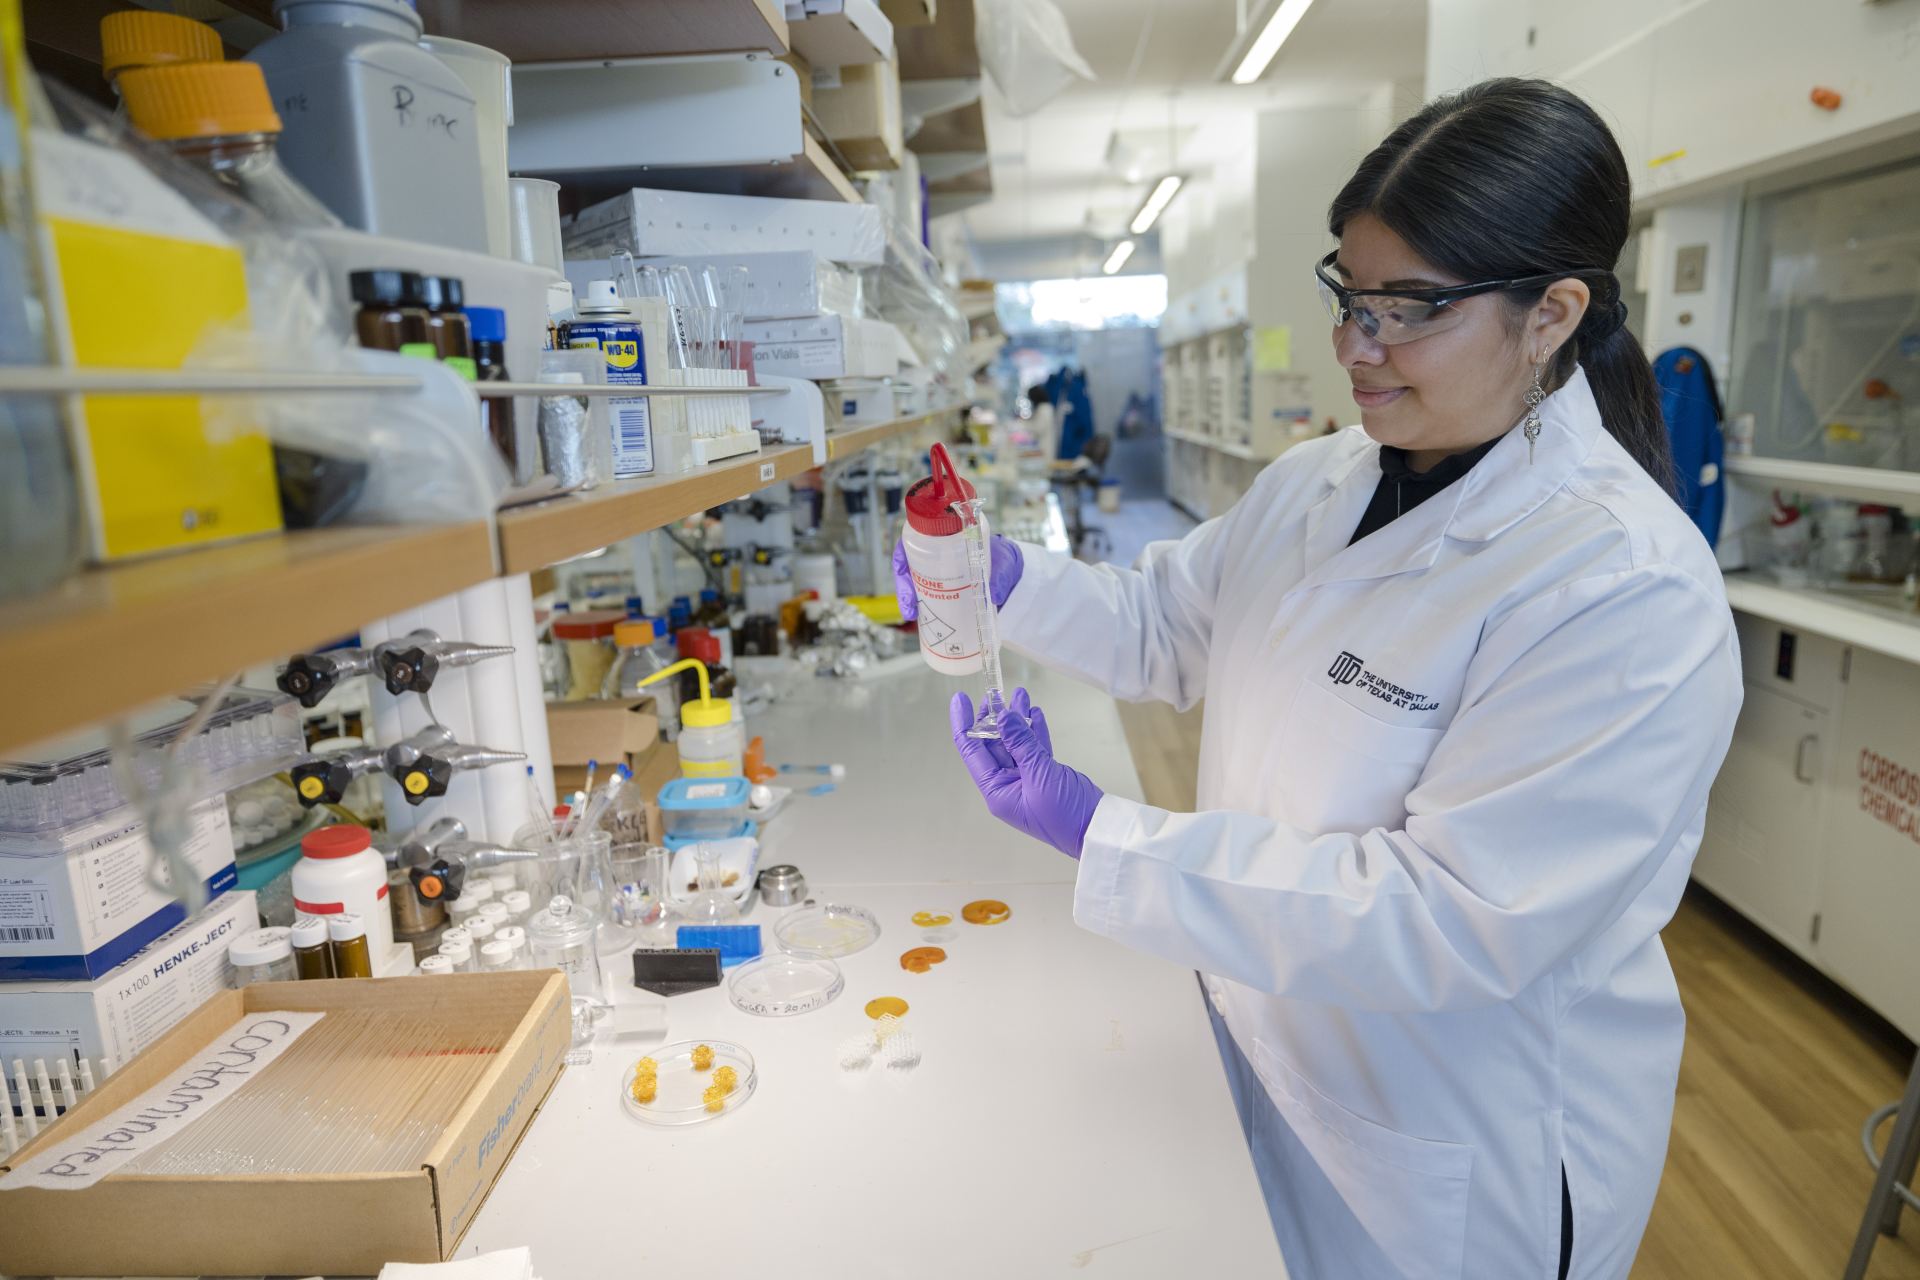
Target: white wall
[{"x": 1701, "y": 93}]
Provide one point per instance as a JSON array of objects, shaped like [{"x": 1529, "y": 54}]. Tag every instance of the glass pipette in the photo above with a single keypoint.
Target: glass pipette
[{"x": 980, "y": 560}]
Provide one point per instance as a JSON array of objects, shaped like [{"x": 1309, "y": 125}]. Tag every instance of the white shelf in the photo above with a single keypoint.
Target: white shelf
[
  {"x": 1854, "y": 620},
  {"x": 1874, "y": 484}
]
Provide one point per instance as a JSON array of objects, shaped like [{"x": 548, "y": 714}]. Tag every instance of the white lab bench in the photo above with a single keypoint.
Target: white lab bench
[{"x": 1070, "y": 1112}]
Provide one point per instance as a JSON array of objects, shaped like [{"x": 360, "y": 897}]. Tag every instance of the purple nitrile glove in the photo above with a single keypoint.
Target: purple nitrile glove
[
  {"x": 1003, "y": 575},
  {"x": 1024, "y": 786}
]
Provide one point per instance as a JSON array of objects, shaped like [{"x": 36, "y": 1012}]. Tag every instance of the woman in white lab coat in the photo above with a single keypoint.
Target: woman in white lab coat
[{"x": 1469, "y": 673}]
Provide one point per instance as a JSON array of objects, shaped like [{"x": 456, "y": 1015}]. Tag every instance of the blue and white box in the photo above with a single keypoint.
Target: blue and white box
[
  {"x": 122, "y": 1012},
  {"x": 75, "y": 904}
]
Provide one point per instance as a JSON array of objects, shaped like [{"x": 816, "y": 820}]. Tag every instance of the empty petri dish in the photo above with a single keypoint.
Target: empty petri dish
[
  {"x": 679, "y": 1095},
  {"x": 779, "y": 986},
  {"x": 828, "y": 931}
]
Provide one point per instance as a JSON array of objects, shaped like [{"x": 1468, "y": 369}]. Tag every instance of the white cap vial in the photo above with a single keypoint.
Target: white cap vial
[
  {"x": 308, "y": 931},
  {"x": 345, "y": 926},
  {"x": 502, "y": 880},
  {"x": 518, "y": 903},
  {"x": 496, "y": 955},
  {"x": 479, "y": 890},
  {"x": 462, "y": 907},
  {"x": 436, "y": 964},
  {"x": 456, "y": 934},
  {"x": 264, "y": 955},
  {"x": 480, "y": 928},
  {"x": 516, "y": 937},
  {"x": 458, "y": 954},
  {"x": 494, "y": 911}
]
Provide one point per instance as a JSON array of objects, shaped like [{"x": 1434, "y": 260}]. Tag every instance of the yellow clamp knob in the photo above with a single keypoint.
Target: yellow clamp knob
[
  {"x": 417, "y": 783},
  {"x": 312, "y": 788}
]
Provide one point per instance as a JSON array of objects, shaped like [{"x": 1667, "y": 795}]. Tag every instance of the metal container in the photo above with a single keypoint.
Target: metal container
[{"x": 782, "y": 886}]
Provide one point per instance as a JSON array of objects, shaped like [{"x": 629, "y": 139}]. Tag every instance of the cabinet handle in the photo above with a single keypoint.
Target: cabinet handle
[{"x": 1800, "y": 757}]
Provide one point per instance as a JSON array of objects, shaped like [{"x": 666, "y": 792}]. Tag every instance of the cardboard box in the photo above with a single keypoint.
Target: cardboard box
[
  {"x": 76, "y": 904},
  {"x": 121, "y": 1013},
  {"x": 654, "y": 224},
  {"x": 294, "y": 1224},
  {"x": 837, "y": 33},
  {"x": 824, "y": 347},
  {"x": 612, "y": 731},
  {"x": 862, "y": 116}
]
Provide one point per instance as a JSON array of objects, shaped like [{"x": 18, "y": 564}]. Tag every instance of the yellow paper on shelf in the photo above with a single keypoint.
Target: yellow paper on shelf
[
  {"x": 1273, "y": 349},
  {"x": 138, "y": 279}
]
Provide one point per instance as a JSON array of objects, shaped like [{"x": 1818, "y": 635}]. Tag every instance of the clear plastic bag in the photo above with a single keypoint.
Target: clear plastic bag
[{"x": 1027, "y": 49}]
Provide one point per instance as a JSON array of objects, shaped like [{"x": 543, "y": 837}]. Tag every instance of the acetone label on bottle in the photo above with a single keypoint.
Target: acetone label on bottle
[{"x": 946, "y": 619}]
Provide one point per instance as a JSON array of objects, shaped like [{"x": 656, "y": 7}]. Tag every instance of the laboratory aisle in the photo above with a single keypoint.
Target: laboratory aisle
[{"x": 1068, "y": 1112}]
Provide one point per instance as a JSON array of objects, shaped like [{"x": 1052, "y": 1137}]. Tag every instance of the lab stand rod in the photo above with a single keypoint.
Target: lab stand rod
[
  {"x": 44, "y": 380},
  {"x": 611, "y": 389},
  {"x": 48, "y": 380}
]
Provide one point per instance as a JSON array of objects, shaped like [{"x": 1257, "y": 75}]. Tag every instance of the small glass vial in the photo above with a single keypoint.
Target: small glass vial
[
  {"x": 311, "y": 956},
  {"x": 502, "y": 879},
  {"x": 264, "y": 955},
  {"x": 461, "y": 909},
  {"x": 458, "y": 953},
  {"x": 515, "y": 937},
  {"x": 480, "y": 929},
  {"x": 436, "y": 965},
  {"x": 497, "y": 913},
  {"x": 519, "y": 905},
  {"x": 495, "y": 957},
  {"x": 480, "y": 890},
  {"x": 347, "y": 933}
]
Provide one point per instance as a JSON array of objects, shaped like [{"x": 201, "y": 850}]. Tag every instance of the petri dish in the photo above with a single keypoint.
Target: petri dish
[
  {"x": 678, "y": 1096},
  {"x": 780, "y": 986},
  {"x": 826, "y": 931}
]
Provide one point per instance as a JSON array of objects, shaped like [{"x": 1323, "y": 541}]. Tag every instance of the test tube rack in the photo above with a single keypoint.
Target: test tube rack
[{"x": 40, "y": 1093}]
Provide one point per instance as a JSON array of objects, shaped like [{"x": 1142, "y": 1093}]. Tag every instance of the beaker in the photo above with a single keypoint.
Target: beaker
[
  {"x": 640, "y": 886},
  {"x": 712, "y": 903},
  {"x": 561, "y": 936},
  {"x": 578, "y": 866}
]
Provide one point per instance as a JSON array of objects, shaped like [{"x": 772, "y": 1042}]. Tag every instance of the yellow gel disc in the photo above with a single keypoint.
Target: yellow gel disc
[{"x": 881, "y": 1006}]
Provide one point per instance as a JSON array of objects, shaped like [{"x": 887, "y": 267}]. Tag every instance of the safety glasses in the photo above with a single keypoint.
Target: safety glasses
[{"x": 1391, "y": 318}]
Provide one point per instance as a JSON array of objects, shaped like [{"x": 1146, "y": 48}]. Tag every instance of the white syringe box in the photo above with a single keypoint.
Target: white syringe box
[
  {"x": 76, "y": 904},
  {"x": 124, "y": 1011}
]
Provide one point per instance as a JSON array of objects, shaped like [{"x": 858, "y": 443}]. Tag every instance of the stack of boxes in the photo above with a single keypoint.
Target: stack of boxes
[{"x": 97, "y": 955}]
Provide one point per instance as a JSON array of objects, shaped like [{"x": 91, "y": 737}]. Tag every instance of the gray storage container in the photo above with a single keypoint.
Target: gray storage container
[{"x": 379, "y": 129}]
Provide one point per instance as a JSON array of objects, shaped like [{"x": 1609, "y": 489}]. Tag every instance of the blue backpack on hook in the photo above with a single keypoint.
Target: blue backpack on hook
[{"x": 1690, "y": 404}]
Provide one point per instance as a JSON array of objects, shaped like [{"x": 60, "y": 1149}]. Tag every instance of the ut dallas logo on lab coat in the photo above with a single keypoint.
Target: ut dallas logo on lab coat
[{"x": 1345, "y": 668}]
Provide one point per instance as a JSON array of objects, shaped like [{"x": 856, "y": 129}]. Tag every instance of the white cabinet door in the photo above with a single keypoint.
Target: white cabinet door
[
  {"x": 1870, "y": 903},
  {"x": 1761, "y": 851}
]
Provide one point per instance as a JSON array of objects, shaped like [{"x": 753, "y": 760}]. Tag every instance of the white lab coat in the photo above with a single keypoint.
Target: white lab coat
[{"x": 1451, "y": 782}]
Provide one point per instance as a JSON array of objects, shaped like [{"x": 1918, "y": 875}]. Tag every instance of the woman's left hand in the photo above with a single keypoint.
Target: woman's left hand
[{"x": 1024, "y": 786}]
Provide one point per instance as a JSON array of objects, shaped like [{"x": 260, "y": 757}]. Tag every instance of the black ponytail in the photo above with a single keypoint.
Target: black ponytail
[{"x": 1515, "y": 178}]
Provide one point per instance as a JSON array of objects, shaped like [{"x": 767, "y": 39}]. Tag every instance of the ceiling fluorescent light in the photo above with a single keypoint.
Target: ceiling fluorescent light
[
  {"x": 1150, "y": 211},
  {"x": 1268, "y": 42},
  {"x": 1118, "y": 258}
]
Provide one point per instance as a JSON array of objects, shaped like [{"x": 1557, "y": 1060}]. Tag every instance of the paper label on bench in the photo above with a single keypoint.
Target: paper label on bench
[{"x": 198, "y": 1086}]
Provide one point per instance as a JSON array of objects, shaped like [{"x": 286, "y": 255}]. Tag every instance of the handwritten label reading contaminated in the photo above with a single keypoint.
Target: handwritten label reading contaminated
[{"x": 206, "y": 1080}]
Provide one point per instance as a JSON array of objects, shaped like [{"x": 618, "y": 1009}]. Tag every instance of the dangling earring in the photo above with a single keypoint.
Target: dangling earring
[{"x": 1531, "y": 427}]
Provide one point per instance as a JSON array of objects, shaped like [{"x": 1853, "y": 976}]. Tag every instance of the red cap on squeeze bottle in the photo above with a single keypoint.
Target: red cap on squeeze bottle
[{"x": 930, "y": 501}]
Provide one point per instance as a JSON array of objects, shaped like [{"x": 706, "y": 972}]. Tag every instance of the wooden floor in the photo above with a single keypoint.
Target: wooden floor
[{"x": 1764, "y": 1179}]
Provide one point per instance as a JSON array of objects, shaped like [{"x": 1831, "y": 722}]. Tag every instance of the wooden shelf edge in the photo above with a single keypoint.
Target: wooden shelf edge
[
  {"x": 112, "y": 639},
  {"x": 830, "y": 174},
  {"x": 546, "y": 533}
]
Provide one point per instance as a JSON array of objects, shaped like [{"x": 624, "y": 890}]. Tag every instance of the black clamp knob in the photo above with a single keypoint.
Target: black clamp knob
[
  {"x": 322, "y": 781},
  {"x": 438, "y": 881},
  {"x": 309, "y": 678},
  {"x": 412, "y": 668},
  {"x": 425, "y": 778}
]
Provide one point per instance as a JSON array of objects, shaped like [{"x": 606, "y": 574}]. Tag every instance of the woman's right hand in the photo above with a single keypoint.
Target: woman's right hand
[{"x": 1003, "y": 575}]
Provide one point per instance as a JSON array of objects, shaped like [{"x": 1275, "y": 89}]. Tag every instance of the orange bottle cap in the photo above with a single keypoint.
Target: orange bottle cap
[
  {"x": 144, "y": 38},
  {"x": 199, "y": 100}
]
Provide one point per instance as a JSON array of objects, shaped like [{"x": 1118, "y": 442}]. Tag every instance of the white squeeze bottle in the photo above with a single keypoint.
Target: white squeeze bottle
[{"x": 942, "y": 578}]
